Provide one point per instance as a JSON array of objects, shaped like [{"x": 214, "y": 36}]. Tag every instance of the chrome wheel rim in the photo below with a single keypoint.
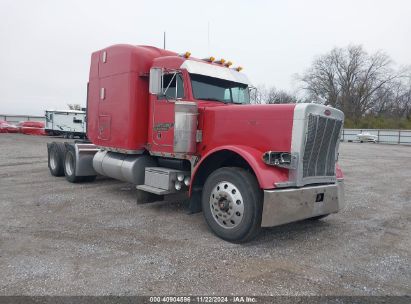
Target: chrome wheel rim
[
  {"x": 53, "y": 161},
  {"x": 69, "y": 164},
  {"x": 226, "y": 204}
]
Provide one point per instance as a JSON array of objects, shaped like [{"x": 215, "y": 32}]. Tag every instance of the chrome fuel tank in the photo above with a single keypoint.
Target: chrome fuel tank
[{"x": 125, "y": 167}]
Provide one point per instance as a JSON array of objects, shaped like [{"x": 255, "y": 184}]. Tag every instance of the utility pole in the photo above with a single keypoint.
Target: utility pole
[{"x": 164, "y": 40}]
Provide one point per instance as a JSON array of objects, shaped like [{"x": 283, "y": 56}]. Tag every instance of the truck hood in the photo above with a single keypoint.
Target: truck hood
[{"x": 263, "y": 127}]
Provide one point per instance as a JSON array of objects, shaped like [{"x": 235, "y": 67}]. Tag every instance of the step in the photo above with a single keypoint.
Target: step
[{"x": 154, "y": 190}]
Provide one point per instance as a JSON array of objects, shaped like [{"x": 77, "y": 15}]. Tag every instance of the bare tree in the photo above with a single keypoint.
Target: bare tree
[
  {"x": 258, "y": 94},
  {"x": 74, "y": 106},
  {"x": 280, "y": 96},
  {"x": 271, "y": 96},
  {"x": 349, "y": 79}
]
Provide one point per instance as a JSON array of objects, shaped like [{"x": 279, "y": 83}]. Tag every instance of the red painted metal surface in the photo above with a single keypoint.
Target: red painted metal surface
[
  {"x": 119, "y": 119},
  {"x": 249, "y": 130},
  {"x": 162, "y": 111},
  {"x": 126, "y": 115}
]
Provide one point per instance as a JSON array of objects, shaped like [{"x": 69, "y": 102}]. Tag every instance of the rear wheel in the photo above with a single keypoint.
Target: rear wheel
[
  {"x": 232, "y": 204},
  {"x": 70, "y": 168},
  {"x": 56, "y": 158}
]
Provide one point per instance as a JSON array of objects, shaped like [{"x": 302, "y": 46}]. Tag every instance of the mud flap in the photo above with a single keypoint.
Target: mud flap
[{"x": 194, "y": 203}]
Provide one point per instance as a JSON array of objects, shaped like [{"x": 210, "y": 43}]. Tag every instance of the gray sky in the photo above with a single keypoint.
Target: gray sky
[{"x": 46, "y": 45}]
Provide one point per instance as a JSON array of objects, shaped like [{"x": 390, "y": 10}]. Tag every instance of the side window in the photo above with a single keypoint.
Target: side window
[
  {"x": 76, "y": 120},
  {"x": 173, "y": 86},
  {"x": 240, "y": 95},
  {"x": 227, "y": 95}
]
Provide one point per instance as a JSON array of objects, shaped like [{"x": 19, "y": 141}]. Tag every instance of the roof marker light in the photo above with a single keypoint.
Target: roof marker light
[
  {"x": 238, "y": 69},
  {"x": 186, "y": 55},
  {"x": 209, "y": 59},
  {"x": 221, "y": 61},
  {"x": 228, "y": 64}
]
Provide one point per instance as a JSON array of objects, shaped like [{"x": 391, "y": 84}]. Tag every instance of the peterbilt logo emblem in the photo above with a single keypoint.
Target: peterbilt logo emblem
[{"x": 327, "y": 112}]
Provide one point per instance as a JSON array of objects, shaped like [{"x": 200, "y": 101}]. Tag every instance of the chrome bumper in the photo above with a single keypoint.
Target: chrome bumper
[{"x": 289, "y": 205}]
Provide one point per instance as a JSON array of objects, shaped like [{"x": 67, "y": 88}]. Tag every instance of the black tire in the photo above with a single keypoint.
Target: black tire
[
  {"x": 89, "y": 179},
  {"x": 70, "y": 168},
  {"x": 319, "y": 217},
  {"x": 244, "y": 185},
  {"x": 56, "y": 154}
]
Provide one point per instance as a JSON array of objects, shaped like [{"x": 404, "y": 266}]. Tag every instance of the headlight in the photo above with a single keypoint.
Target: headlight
[
  {"x": 178, "y": 185},
  {"x": 280, "y": 159},
  {"x": 187, "y": 181}
]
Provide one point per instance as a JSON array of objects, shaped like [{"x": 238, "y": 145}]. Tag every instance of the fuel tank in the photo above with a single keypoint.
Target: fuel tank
[{"x": 127, "y": 168}]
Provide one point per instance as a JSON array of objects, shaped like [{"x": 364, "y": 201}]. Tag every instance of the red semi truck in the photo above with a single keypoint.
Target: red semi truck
[{"x": 170, "y": 123}]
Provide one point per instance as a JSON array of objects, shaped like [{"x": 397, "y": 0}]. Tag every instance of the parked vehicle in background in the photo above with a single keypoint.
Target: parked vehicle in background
[
  {"x": 367, "y": 137},
  {"x": 31, "y": 127},
  {"x": 6, "y": 127},
  {"x": 172, "y": 124},
  {"x": 69, "y": 123},
  {"x": 3, "y": 126}
]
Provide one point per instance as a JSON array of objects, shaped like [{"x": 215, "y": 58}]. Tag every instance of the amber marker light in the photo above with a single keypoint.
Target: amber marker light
[
  {"x": 186, "y": 55},
  {"x": 221, "y": 61},
  {"x": 209, "y": 59}
]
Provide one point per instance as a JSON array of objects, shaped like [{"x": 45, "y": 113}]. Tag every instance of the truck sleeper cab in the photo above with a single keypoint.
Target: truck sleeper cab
[{"x": 171, "y": 124}]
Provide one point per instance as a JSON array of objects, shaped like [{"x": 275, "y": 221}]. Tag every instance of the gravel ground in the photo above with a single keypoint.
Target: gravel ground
[{"x": 58, "y": 238}]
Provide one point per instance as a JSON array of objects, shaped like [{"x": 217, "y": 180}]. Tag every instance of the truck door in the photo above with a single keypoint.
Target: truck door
[{"x": 163, "y": 112}]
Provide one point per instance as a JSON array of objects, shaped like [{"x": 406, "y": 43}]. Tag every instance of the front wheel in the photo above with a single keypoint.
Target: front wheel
[{"x": 232, "y": 204}]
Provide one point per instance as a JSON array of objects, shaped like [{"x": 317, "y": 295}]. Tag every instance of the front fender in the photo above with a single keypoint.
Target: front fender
[{"x": 266, "y": 175}]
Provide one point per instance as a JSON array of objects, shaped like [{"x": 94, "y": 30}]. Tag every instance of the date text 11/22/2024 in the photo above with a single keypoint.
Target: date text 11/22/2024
[{"x": 203, "y": 299}]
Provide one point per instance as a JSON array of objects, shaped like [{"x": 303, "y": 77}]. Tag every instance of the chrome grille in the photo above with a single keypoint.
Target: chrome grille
[{"x": 320, "y": 146}]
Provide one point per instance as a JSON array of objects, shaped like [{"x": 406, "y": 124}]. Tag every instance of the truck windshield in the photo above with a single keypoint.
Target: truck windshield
[{"x": 210, "y": 88}]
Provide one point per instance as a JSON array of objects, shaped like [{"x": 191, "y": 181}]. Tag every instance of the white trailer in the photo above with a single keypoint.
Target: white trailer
[{"x": 69, "y": 123}]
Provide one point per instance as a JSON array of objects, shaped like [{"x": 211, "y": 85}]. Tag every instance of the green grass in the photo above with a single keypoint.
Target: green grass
[{"x": 370, "y": 122}]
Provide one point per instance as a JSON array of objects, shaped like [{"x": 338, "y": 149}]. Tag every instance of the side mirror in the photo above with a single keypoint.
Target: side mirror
[
  {"x": 156, "y": 75},
  {"x": 253, "y": 92}
]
